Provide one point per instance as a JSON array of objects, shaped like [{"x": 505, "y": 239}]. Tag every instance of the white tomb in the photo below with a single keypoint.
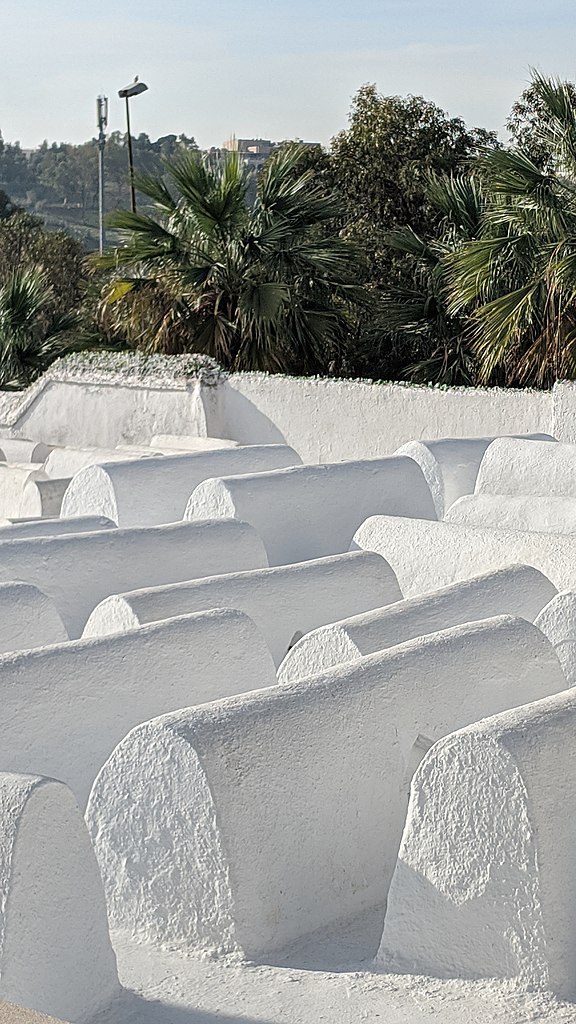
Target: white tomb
[
  {"x": 17, "y": 449},
  {"x": 555, "y": 514},
  {"x": 484, "y": 886},
  {"x": 284, "y": 602},
  {"x": 187, "y": 443},
  {"x": 425, "y": 554},
  {"x": 557, "y": 620},
  {"x": 21, "y": 529},
  {"x": 28, "y": 618},
  {"x": 75, "y": 701},
  {"x": 312, "y": 511},
  {"x": 451, "y": 464},
  {"x": 515, "y": 466},
  {"x": 250, "y": 822},
  {"x": 55, "y": 952},
  {"x": 148, "y": 492},
  {"x": 79, "y": 570},
  {"x": 515, "y": 590}
]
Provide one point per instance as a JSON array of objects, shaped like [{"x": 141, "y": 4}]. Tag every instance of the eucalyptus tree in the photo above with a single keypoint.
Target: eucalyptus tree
[{"x": 265, "y": 286}]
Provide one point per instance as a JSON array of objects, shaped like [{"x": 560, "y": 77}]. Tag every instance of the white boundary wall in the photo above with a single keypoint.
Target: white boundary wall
[
  {"x": 484, "y": 885},
  {"x": 148, "y": 492},
  {"x": 79, "y": 570},
  {"x": 282, "y": 602},
  {"x": 281, "y": 811},
  {"x": 28, "y": 618},
  {"x": 55, "y": 952},
  {"x": 312, "y": 511},
  {"x": 325, "y": 420},
  {"x": 65, "y": 707},
  {"x": 425, "y": 555},
  {"x": 516, "y": 590}
]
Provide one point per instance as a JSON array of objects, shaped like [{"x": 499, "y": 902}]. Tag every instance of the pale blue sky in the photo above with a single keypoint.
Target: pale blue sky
[{"x": 277, "y": 70}]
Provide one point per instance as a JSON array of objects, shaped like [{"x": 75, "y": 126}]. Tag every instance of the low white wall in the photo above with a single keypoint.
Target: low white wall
[
  {"x": 484, "y": 885},
  {"x": 514, "y": 466},
  {"x": 516, "y": 590},
  {"x": 28, "y": 618},
  {"x": 327, "y": 420},
  {"x": 64, "y": 708},
  {"x": 55, "y": 952},
  {"x": 451, "y": 465},
  {"x": 557, "y": 620},
  {"x": 312, "y": 511},
  {"x": 515, "y": 512},
  {"x": 73, "y": 413},
  {"x": 79, "y": 570},
  {"x": 148, "y": 492},
  {"x": 281, "y": 811},
  {"x": 426, "y": 555},
  {"x": 282, "y": 602}
]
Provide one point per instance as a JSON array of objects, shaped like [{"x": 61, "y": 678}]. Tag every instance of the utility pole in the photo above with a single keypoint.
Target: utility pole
[{"x": 102, "y": 119}]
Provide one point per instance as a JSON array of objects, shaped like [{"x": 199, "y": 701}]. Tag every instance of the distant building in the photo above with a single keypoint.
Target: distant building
[{"x": 255, "y": 152}]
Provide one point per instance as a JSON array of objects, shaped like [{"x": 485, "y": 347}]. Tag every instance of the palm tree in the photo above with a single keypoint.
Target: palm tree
[
  {"x": 32, "y": 334},
  {"x": 517, "y": 279},
  {"x": 265, "y": 287},
  {"x": 417, "y": 310}
]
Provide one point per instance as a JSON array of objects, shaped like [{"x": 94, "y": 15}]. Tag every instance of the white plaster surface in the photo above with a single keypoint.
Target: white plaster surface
[
  {"x": 555, "y": 514},
  {"x": 20, "y": 529},
  {"x": 77, "y": 571},
  {"x": 64, "y": 463},
  {"x": 557, "y": 620},
  {"x": 515, "y": 466},
  {"x": 426, "y": 555},
  {"x": 191, "y": 444},
  {"x": 250, "y": 822},
  {"x": 55, "y": 951},
  {"x": 515, "y": 590},
  {"x": 484, "y": 885},
  {"x": 326, "y": 420},
  {"x": 148, "y": 492},
  {"x": 74, "y": 702},
  {"x": 42, "y": 498},
  {"x": 451, "y": 465},
  {"x": 281, "y": 601},
  {"x": 13, "y": 480},
  {"x": 19, "y": 450},
  {"x": 28, "y": 618},
  {"x": 312, "y": 511}
]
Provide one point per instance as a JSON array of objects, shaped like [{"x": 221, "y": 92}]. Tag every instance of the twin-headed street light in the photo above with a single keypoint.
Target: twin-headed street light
[{"x": 134, "y": 89}]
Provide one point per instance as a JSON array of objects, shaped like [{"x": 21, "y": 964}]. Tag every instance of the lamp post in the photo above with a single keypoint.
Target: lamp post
[
  {"x": 131, "y": 90},
  {"x": 102, "y": 120}
]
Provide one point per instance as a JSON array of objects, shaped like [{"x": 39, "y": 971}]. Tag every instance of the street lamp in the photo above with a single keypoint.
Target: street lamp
[
  {"x": 102, "y": 120},
  {"x": 134, "y": 89}
]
